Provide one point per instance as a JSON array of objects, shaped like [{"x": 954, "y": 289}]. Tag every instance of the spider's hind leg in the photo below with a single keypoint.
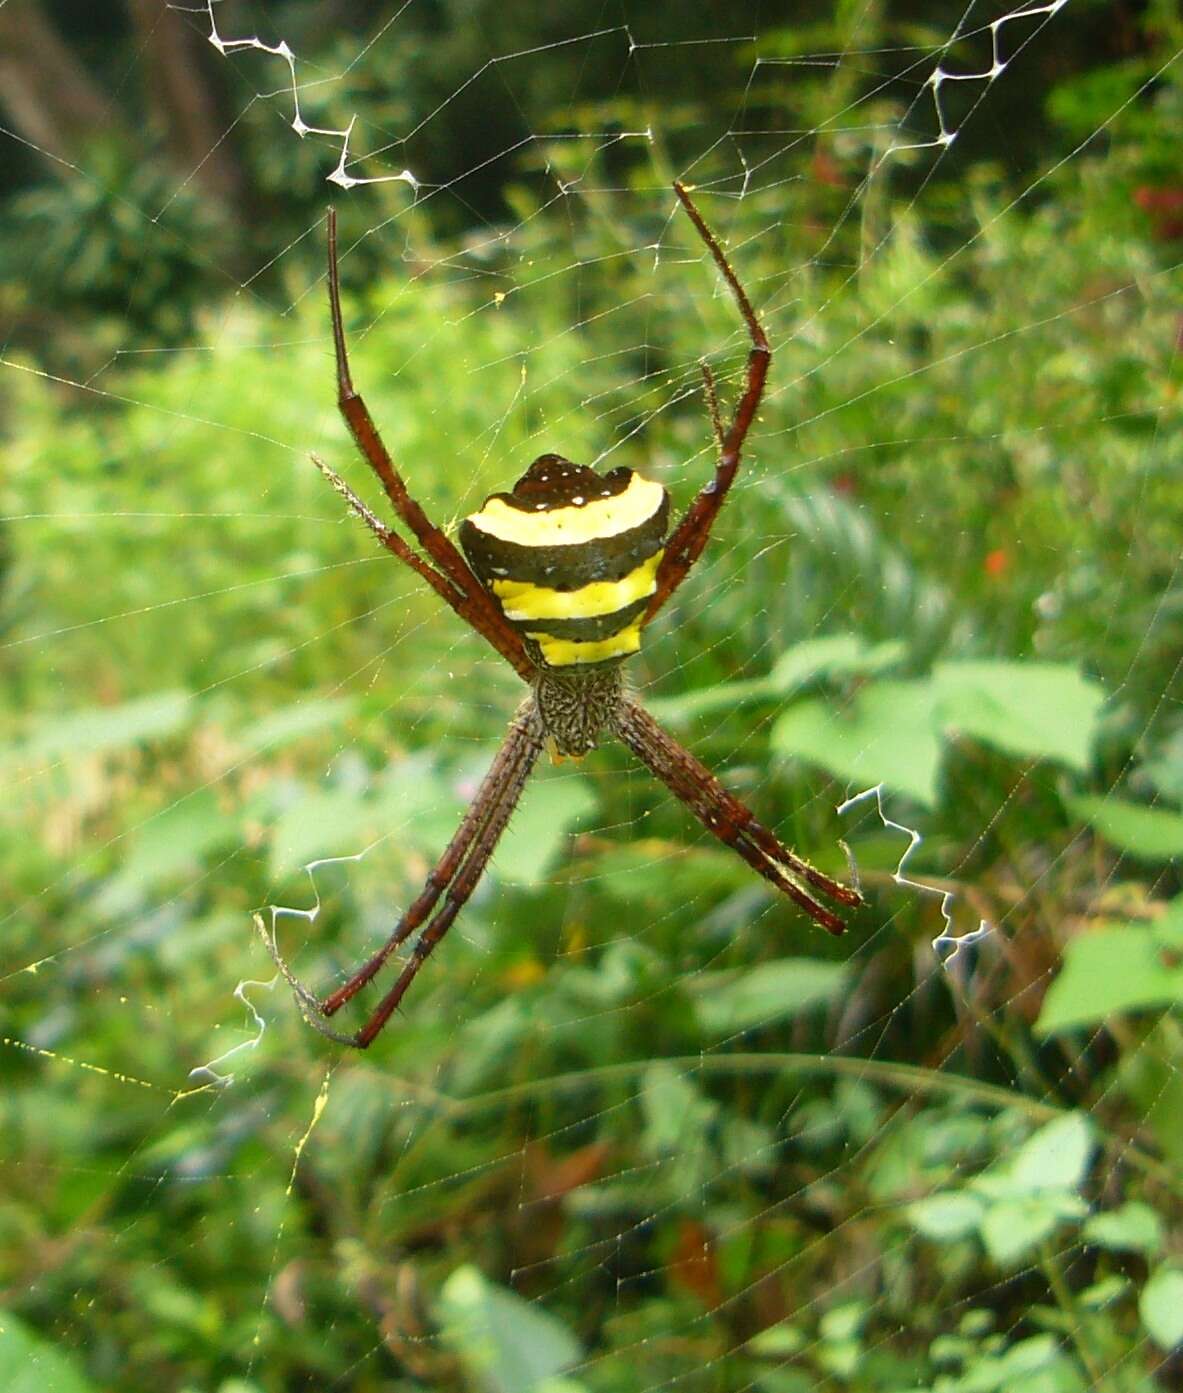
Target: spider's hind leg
[
  {"x": 455, "y": 875},
  {"x": 725, "y": 817}
]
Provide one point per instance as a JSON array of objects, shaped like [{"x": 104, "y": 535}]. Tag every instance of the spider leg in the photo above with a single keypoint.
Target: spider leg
[
  {"x": 710, "y": 390},
  {"x": 690, "y": 536},
  {"x": 479, "y": 610},
  {"x": 393, "y": 543},
  {"x": 388, "y": 537},
  {"x": 725, "y": 817},
  {"x": 456, "y": 873}
]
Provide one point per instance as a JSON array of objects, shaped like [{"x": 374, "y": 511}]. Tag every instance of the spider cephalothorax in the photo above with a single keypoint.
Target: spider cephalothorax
[{"x": 561, "y": 576}]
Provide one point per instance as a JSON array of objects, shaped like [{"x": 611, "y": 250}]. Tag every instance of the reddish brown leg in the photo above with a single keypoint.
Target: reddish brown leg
[
  {"x": 711, "y": 391},
  {"x": 393, "y": 543},
  {"x": 725, "y": 817},
  {"x": 690, "y": 536},
  {"x": 456, "y": 872},
  {"x": 479, "y": 609}
]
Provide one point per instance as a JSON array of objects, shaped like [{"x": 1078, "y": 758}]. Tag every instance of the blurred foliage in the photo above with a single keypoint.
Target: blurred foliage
[{"x": 625, "y": 1135}]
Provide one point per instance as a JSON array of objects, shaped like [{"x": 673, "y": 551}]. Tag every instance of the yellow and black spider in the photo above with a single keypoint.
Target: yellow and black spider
[{"x": 561, "y": 576}]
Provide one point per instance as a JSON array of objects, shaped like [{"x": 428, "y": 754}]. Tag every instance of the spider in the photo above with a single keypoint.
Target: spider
[{"x": 560, "y": 576}]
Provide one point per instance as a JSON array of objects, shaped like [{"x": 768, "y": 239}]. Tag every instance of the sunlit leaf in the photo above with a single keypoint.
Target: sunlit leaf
[
  {"x": 29, "y": 1364},
  {"x": 540, "y": 828},
  {"x": 292, "y": 722},
  {"x": 1108, "y": 971},
  {"x": 1153, "y": 833},
  {"x": 1161, "y": 1307},
  {"x": 1055, "y": 1157},
  {"x": 98, "y": 728},
  {"x": 834, "y": 655},
  {"x": 772, "y": 991},
  {"x": 887, "y": 734},
  {"x": 506, "y": 1344},
  {"x": 1047, "y": 710},
  {"x": 945, "y": 1217},
  {"x": 1133, "y": 1227},
  {"x": 1010, "y": 1229}
]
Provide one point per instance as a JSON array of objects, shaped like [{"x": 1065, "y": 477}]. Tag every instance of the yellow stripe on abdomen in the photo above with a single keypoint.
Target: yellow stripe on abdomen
[
  {"x": 571, "y": 524},
  {"x": 566, "y": 652},
  {"x": 521, "y": 599}
]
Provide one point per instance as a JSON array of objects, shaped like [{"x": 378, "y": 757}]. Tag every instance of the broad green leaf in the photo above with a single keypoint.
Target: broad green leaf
[
  {"x": 843, "y": 1322},
  {"x": 1152, "y": 833},
  {"x": 835, "y": 655},
  {"x": 292, "y": 722},
  {"x": 412, "y": 807},
  {"x": 1107, "y": 971},
  {"x": 1044, "y": 709},
  {"x": 506, "y": 1344},
  {"x": 336, "y": 822},
  {"x": 773, "y": 991},
  {"x": 100, "y": 728},
  {"x": 1161, "y": 1307},
  {"x": 1035, "y": 1365},
  {"x": 29, "y": 1364},
  {"x": 723, "y": 696},
  {"x": 777, "y": 1341},
  {"x": 946, "y": 1217},
  {"x": 886, "y": 735},
  {"x": 1165, "y": 768},
  {"x": 169, "y": 845},
  {"x": 1108, "y": 1290},
  {"x": 1010, "y": 1229},
  {"x": 1133, "y": 1227},
  {"x": 540, "y": 827},
  {"x": 676, "y": 1113},
  {"x": 1056, "y": 1157},
  {"x": 640, "y": 870}
]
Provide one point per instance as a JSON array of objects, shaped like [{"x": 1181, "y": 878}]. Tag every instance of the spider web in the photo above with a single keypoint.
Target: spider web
[{"x": 636, "y": 1126}]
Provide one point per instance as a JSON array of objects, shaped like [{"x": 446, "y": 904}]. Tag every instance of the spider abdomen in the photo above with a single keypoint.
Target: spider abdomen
[{"x": 571, "y": 557}]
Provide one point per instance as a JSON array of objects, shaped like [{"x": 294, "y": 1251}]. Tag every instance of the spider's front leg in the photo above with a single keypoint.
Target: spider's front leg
[
  {"x": 450, "y": 577},
  {"x": 687, "y": 540}
]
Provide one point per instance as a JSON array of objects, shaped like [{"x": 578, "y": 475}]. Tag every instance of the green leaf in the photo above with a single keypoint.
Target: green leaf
[
  {"x": 1056, "y": 1157},
  {"x": 1152, "y": 833},
  {"x": 293, "y": 722},
  {"x": 335, "y": 822},
  {"x": 1010, "y": 1229},
  {"x": 723, "y": 696},
  {"x": 506, "y": 1344},
  {"x": 1161, "y": 1307},
  {"x": 100, "y": 728},
  {"x": 541, "y": 826},
  {"x": 886, "y": 735},
  {"x": 29, "y": 1364},
  {"x": 773, "y": 991},
  {"x": 1134, "y": 1227},
  {"x": 676, "y": 1113},
  {"x": 843, "y": 1322},
  {"x": 168, "y": 846},
  {"x": 834, "y": 655},
  {"x": 1108, "y": 971},
  {"x": 777, "y": 1341},
  {"x": 1044, "y": 709},
  {"x": 946, "y": 1217}
]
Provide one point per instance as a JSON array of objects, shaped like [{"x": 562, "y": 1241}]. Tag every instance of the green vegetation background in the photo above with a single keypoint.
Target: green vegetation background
[{"x": 641, "y": 1128}]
